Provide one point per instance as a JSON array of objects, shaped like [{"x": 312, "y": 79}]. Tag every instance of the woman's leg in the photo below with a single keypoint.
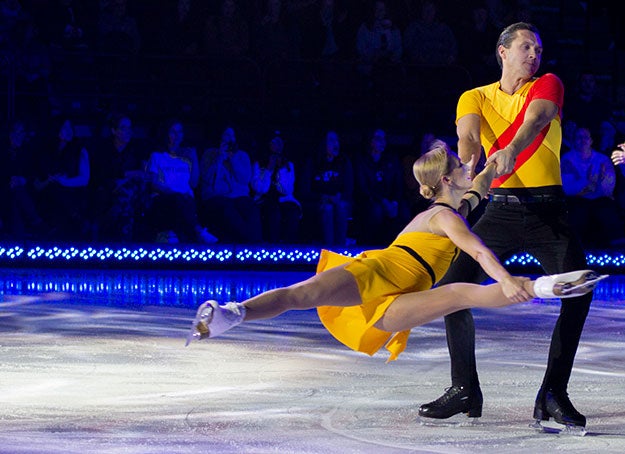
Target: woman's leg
[
  {"x": 414, "y": 309},
  {"x": 333, "y": 287}
]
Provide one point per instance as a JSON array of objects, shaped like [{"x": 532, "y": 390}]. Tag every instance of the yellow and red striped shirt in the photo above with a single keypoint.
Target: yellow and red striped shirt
[{"x": 501, "y": 116}]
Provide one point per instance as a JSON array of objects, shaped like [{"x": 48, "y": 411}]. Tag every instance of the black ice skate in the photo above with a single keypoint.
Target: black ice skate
[
  {"x": 567, "y": 285},
  {"x": 457, "y": 400},
  {"x": 566, "y": 419},
  {"x": 211, "y": 320}
]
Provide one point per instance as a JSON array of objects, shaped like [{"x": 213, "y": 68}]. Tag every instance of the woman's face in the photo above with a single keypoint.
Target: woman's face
[
  {"x": 66, "y": 133},
  {"x": 176, "y": 134},
  {"x": 332, "y": 144},
  {"x": 123, "y": 130},
  {"x": 461, "y": 174}
]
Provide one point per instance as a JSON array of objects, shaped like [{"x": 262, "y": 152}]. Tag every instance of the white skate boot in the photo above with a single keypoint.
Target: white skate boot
[
  {"x": 567, "y": 285},
  {"x": 212, "y": 319}
]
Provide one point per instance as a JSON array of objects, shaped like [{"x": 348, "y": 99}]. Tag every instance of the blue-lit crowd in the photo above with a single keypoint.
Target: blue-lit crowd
[{"x": 236, "y": 181}]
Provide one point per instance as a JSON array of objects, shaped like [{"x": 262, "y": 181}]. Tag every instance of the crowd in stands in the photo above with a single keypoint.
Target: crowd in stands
[
  {"x": 113, "y": 187},
  {"x": 227, "y": 181}
]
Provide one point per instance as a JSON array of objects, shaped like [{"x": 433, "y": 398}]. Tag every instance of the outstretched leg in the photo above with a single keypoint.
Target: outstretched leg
[
  {"x": 414, "y": 309},
  {"x": 334, "y": 287}
]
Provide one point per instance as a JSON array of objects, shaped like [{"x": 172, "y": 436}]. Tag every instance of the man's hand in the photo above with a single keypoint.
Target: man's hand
[{"x": 504, "y": 159}]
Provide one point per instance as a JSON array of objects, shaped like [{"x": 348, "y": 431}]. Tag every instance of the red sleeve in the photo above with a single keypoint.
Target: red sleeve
[{"x": 550, "y": 87}]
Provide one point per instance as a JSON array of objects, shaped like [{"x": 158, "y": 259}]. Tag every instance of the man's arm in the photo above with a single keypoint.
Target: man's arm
[
  {"x": 539, "y": 114},
  {"x": 469, "y": 145}
]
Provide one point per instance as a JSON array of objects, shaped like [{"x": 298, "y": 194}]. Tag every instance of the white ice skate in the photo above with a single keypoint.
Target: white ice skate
[
  {"x": 211, "y": 319},
  {"x": 552, "y": 427},
  {"x": 567, "y": 285}
]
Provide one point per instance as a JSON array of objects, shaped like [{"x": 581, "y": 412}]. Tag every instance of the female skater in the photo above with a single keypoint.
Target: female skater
[{"x": 382, "y": 294}]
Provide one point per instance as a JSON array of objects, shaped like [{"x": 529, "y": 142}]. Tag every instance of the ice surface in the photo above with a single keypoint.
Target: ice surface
[{"x": 103, "y": 369}]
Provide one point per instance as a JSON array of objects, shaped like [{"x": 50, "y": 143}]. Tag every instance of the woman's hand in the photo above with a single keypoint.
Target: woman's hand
[{"x": 514, "y": 289}]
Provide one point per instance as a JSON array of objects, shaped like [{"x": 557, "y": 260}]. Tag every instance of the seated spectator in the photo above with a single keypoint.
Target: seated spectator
[
  {"x": 117, "y": 31},
  {"x": 588, "y": 180},
  {"x": 180, "y": 29},
  {"x": 227, "y": 35},
  {"x": 271, "y": 38},
  {"x": 327, "y": 187},
  {"x": 119, "y": 183},
  {"x": 427, "y": 40},
  {"x": 380, "y": 209},
  {"x": 66, "y": 24},
  {"x": 586, "y": 106},
  {"x": 273, "y": 184},
  {"x": 19, "y": 211},
  {"x": 378, "y": 40},
  {"x": 476, "y": 54},
  {"x": 173, "y": 211},
  {"x": 227, "y": 206},
  {"x": 61, "y": 185}
]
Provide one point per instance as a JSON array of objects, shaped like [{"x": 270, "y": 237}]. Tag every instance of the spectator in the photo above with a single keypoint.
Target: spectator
[
  {"x": 61, "y": 185},
  {"x": 12, "y": 17},
  {"x": 476, "y": 54},
  {"x": 173, "y": 210},
  {"x": 326, "y": 192},
  {"x": 329, "y": 33},
  {"x": 427, "y": 40},
  {"x": 273, "y": 184},
  {"x": 66, "y": 25},
  {"x": 227, "y": 34},
  {"x": 379, "y": 205},
  {"x": 586, "y": 106},
  {"x": 180, "y": 28},
  {"x": 19, "y": 211},
  {"x": 272, "y": 40},
  {"x": 119, "y": 183},
  {"x": 117, "y": 31},
  {"x": 227, "y": 205},
  {"x": 378, "y": 40},
  {"x": 588, "y": 179},
  {"x": 416, "y": 202}
]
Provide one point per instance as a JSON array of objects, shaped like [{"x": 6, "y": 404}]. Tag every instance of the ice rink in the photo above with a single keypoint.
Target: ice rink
[{"x": 94, "y": 362}]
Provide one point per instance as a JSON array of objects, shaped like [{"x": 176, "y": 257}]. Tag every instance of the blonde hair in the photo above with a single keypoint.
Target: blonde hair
[{"x": 432, "y": 166}]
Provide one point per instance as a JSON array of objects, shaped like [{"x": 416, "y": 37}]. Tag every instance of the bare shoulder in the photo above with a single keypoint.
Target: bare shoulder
[{"x": 445, "y": 220}]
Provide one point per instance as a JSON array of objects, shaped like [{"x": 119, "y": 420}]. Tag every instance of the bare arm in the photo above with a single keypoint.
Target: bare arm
[
  {"x": 539, "y": 114},
  {"x": 456, "y": 229},
  {"x": 469, "y": 145},
  {"x": 481, "y": 185}
]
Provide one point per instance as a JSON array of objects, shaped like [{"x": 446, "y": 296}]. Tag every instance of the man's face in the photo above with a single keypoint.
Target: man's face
[
  {"x": 524, "y": 55},
  {"x": 583, "y": 139}
]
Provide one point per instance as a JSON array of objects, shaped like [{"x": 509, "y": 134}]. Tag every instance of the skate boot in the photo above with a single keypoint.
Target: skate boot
[
  {"x": 212, "y": 319},
  {"x": 556, "y": 405},
  {"x": 567, "y": 285},
  {"x": 456, "y": 400}
]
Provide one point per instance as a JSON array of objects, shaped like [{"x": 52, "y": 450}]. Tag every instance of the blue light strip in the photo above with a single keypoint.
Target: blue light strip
[{"x": 232, "y": 255}]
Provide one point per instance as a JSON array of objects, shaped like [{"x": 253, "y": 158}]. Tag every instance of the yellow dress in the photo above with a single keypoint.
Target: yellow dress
[{"x": 414, "y": 262}]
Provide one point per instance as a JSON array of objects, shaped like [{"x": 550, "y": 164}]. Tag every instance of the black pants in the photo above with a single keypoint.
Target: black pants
[{"x": 542, "y": 230}]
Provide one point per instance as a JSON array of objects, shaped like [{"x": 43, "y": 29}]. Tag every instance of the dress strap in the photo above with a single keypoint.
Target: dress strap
[
  {"x": 443, "y": 204},
  {"x": 419, "y": 259}
]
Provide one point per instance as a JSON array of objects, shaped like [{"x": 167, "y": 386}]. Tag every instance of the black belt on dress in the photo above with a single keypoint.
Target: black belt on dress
[
  {"x": 534, "y": 198},
  {"x": 419, "y": 259}
]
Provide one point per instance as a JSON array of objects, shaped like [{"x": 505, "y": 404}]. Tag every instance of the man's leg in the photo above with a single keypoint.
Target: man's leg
[
  {"x": 464, "y": 395},
  {"x": 497, "y": 228},
  {"x": 563, "y": 253}
]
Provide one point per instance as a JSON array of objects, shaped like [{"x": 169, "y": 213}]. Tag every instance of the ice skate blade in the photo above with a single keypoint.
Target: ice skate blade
[
  {"x": 552, "y": 427},
  {"x": 588, "y": 282},
  {"x": 199, "y": 326},
  {"x": 459, "y": 420}
]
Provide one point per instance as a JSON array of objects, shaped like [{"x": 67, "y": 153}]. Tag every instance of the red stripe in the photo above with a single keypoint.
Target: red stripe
[{"x": 506, "y": 137}]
